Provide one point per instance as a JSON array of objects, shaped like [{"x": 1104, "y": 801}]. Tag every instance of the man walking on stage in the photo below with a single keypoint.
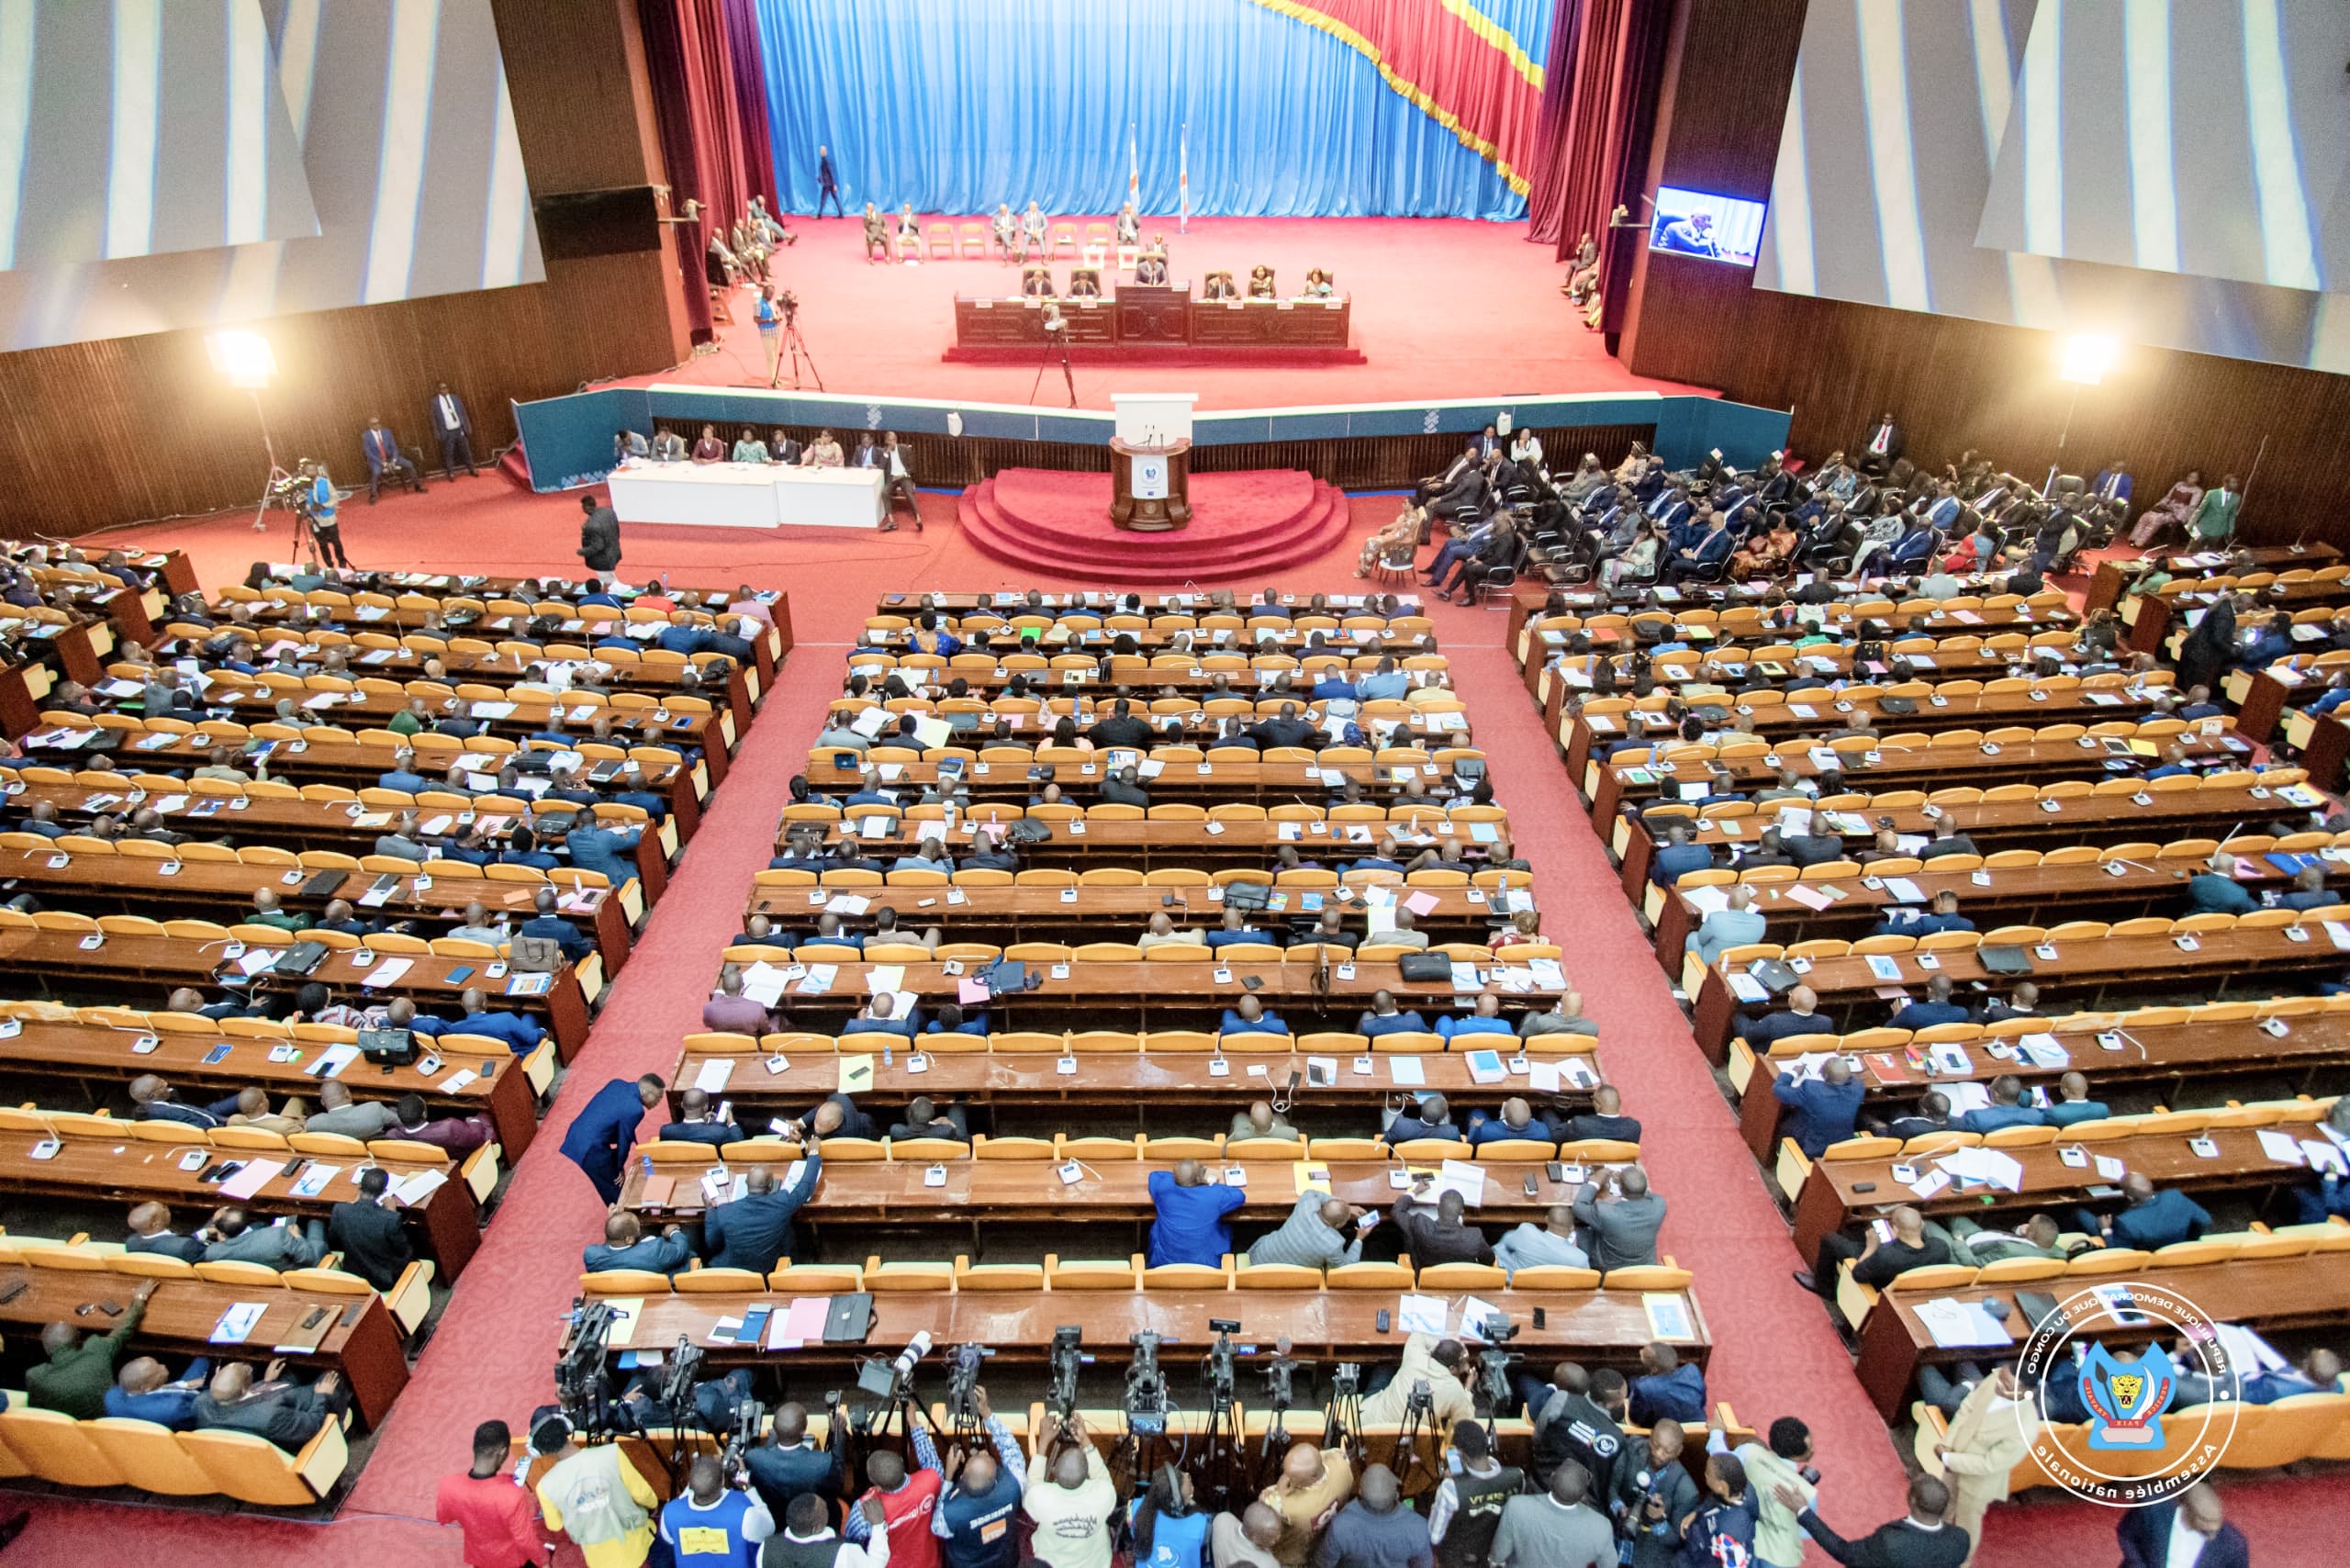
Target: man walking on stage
[{"x": 826, "y": 186}]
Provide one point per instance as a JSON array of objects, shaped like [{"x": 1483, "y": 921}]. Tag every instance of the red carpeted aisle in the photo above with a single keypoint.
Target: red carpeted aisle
[{"x": 1775, "y": 1351}]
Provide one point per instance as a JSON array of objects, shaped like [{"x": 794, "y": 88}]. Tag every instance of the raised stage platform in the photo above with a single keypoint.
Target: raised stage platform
[{"x": 1058, "y": 524}]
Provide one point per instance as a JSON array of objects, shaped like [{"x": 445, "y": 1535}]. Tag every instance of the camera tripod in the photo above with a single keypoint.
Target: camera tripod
[
  {"x": 795, "y": 349},
  {"x": 1068, "y": 376}
]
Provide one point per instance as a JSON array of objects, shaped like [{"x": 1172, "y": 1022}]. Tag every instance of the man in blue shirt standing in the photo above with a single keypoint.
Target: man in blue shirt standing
[
  {"x": 599, "y": 1137},
  {"x": 1190, "y": 1210},
  {"x": 973, "y": 1520},
  {"x": 1820, "y": 1111}
]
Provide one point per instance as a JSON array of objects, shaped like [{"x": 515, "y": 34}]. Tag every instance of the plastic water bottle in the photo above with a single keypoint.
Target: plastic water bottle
[
  {"x": 648, "y": 1165},
  {"x": 889, "y": 1055}
]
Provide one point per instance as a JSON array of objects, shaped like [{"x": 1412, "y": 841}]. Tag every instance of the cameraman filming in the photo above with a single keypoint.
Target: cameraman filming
[
  {"x": 315, "y": 505},
  {"x": 714, "y": 1524},
  {"x": 1445, "y": 1366},
  {"x": 974, "y": 1519}
]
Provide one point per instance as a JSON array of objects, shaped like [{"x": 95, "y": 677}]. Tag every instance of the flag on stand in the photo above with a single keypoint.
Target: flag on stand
[
  {"x": 1134, "y": 171},
  {"x": 1183, "y": 186}
]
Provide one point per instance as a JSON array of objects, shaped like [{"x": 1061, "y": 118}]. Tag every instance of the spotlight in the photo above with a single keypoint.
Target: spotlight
[
  {"x": 244, "y": 358},
  {"x": 2086, "y": 357}
]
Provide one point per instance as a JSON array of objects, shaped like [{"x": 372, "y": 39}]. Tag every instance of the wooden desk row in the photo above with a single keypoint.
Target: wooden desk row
[
  {"x": 2108, "y": 582},
  {"x": 1831, "y": 1196},
  {"x": 1956, "y": 762},
  {"x": 1007, "y": 914},
  {"x": 1165, "y": 995},
  {"x": 2223, "y": 1040},
  {"x": 1354, "y": 607},
  {"x": 2083, "y": 971},
  {"x": 270, "y": 819},
  {"x": 80, "y": 649},
  {"x": 146, "y": 884},
  {"x": 363, "y": 1345},
  {"x": 130, "y": 1168},
  {"x": 1128, "y": 1081},
  {"x": 1226, "y": 780},
  {"x": 874, "y": 1192},
  {"x": 2112, "y": 812},
  {"x": 45, "y": 962},
  {"x": 1600, "y": 1324},
  {"x": 93, "y": 1048},
  {"x": 1156, "y": 318},
  {"x": 1142, "y": 843},
  {"x": 2268, "y": 1295},
  {"x": 633, "y": 718},
  {"x": 2008, "y": 895}
]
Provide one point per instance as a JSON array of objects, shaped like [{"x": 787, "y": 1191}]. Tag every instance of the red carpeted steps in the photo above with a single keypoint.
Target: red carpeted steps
[{"x": 1243, "y": 525}]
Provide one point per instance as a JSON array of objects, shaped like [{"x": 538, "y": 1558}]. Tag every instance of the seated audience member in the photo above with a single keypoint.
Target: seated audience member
[
  {"x": 625, "y": 1245},
  {"x": 1668, "y": 1388},
  {"x": 698, "y": 1122},
  {"x": 1259, "y": 1121},
  {"x": 1822, "y": 1111},
  {"x": 1517, "y": 1120},
  {"x": 2149, "y": 1219},
  {"x": 1427, "y": 1116},
  {"x": 1604, "y": 1120},
  {"x": 1553, "y": 1241},
  {"x": 145, "y": 1391},
  {"x": 926, "y": 1118},
  {"x": 286, "y": 1414},
  {"x": 77, "y": 1371},
  {"x": 233, "y": 1238},
  {"x": 1876, "y": 1262},
  {"x": 1383, "y": 1017},
  {"x": 1250, "y": 1017},
  {"x": 2007, "y": 1109},
  {"x": 369, "y": 1235},
  {"x": 1439, "y": 1233}
]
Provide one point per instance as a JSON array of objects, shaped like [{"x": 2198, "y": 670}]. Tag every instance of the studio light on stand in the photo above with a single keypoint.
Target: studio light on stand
[
  {"x": 244, "y": 359},
  {"x": 2083, "y": 360}
]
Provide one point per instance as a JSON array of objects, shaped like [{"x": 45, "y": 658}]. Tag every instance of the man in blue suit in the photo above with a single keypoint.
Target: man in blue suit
[
  {"x": 1704, "y": 552},
  {"x": 2215, "y": 891},
  {"x": 544, "y": 922},
  {"x": 1676, "y": 857},
  {"x": 522, "y": 850},
  {"x": 699, "y": 1124},
  {"x": 141, "y": 1393},
  {"x": 625, "y": 1245},
  {"x": 384, "y": 456},
  {"x": 756, "y": 1231},
  {"x": 1938, "y": 1008},
  {"x": 603, "y": 849},
  {"x": 2072, "y": 1103},
  {"x": 1250, "y": 1018},
  {"x": 2152, "y": 1219},
  {"x": 2151, "y": 1535},
  {"x": 2007, "y": 1109},
  {"x": 599, "y": 1137},
  {"x": 1820, "y": 1111},
  {"x": 522, "y": 1034},
  {"x": 403, "y": 775}
]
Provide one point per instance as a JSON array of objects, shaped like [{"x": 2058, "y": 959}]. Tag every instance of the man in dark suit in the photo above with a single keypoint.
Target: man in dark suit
[
  {"x": 2150, "y": 1534},
  {"x": 1920, "y": 1540},
  {"x": 1120, "y": 729},
  {"x": 827, "y": 184},
  {"x": 157, "y": 1101},
  {"x": 1440, "y": 1234},
  {"x": 625, "y": 1245},
  {"x": 1286, "y": 729},
  {"x": 384, "y": 456},
  {"x": 142, "y": 1393},
  {"x": 150, "y": 1231},
  {"x": 599, "y": 1137},
  {"x": 1123, "y": 788},
  {"x": 699, "y": 1124},
  {"x": 373, "y": 1242},
  {"x": 600, "y": 536},
  {"x": 756, "y": 1231},
  {"x": 286, "y": 1414},
  {"x": 454, "y": 428},
  {"x": 1820, "y": 1111}
]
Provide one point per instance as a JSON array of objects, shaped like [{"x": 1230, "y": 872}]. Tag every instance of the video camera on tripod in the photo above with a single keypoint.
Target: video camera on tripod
[
  {"x": 1494, "y": 1393},
  {"x": 885, "y": 1383},
  {"x": 742, "y": 1438},
  {"x": 963, "y": 1383},
  {"x": 579, "y": 1361},
  {"x": 677, "y": 1383},
  {"x": 1220, "y": 1373},
  {"x": 1060, "y": 1394},
  {"x": 1145, "y": 1387},
  {"x": 289, "y": 490}
]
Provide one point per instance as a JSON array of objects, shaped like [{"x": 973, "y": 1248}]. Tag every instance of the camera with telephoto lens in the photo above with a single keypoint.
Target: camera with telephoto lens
[
  {"x": 1060, "y": 1395},
  {"x": 962, "y": 1381},
  {"x": 749, "y": 1416}
]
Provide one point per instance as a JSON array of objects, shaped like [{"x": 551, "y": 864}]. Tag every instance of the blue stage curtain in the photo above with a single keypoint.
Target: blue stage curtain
[{"x": 957, "y": 105}]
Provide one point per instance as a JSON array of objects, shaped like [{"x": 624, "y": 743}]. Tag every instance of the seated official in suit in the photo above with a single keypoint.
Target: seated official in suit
[
  {"x": 625, "y": 1245},
  {"x": 1085, "y": 283},
  {"x": 1150, "y": 269},
  {"x": 142, "y": 1392},
  {"x": 756, "y": 1230},
  {"x": 699, "y": 1123},
  {"x": 1036, "y": 282},
  {"x": 372, "y": 1241},
  {"x": 150, "y": 1231},
  {"x": 1260, "y": 282},
  {"x": 1219, "y": 285},
  {"x": 381, "y": 450},
  {"x": 2007, "y": 1109},
  {"x": 1820, "y": 1111},
  {"x": 232, "y": 1238},
  {"x": 286, "y": 1414},
  {"x": 2152, "y": 1219}
]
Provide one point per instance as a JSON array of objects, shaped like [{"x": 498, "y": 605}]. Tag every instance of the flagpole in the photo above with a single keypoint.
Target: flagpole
[{"x": 1184, "y": 184}]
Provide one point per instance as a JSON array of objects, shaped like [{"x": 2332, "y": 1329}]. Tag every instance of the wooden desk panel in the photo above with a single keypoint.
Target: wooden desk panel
[
  {"x": 1005, "y": 916},
  {"x": 1272, "y": 323},
  {"x": 1268, "y": 783},
  {"x": 1141, "y": 845},
  {"x": 93, "y": 1053},
  {"x": 365, "y": 1349},
  {"x": 446, "y": 1227}
]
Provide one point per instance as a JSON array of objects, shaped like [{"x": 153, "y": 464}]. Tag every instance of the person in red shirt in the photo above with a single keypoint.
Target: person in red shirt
[
  {"x": 906, "y": 1501},
  {"x": 499, "y": 1518}
]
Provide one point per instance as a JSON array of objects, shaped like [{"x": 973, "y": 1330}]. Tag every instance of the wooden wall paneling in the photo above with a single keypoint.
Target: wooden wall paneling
[{"x": 1953, "y": 381}]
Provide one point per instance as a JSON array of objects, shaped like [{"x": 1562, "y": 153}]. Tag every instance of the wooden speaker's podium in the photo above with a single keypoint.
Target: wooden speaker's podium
[{"x": 1150, "y": 460}]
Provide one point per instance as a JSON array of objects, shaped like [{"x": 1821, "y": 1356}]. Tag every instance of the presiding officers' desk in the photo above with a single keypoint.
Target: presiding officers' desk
[
  {"x": 1830, "y": 1197},
  {"x": 133, "y": 1168},
  {"x": 363, "y": 1344},
  {"x": 1608, "y": 1326},
  {"x": 97, "y": 1052},
  {"x": 1148, "y": 315},
  {"x": 1128, "y": 1081},
  {"x": 2267, "y": 1295},
  {"x": 896, "y": 1192},
  {"x": 747, "y": 495},
  {"x": 2220, "y": 1040}
]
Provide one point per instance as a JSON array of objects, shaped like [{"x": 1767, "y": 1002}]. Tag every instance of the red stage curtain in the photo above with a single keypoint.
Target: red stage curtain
[
  {"x": 710, "y": 100},
  {"x": 1607, "y": 69}
]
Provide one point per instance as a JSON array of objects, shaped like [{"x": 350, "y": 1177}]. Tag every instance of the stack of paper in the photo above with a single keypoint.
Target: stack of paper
[{"x": 1952, "y": 1322}]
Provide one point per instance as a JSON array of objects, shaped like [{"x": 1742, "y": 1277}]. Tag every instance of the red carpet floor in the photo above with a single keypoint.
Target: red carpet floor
[
  {"x": 1442, "y": 308},
  {"x": 1776, "y": 1352}
]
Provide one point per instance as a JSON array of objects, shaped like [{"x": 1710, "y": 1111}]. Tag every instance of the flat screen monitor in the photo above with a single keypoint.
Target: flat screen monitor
[{"x": 1698, "y": 223}]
